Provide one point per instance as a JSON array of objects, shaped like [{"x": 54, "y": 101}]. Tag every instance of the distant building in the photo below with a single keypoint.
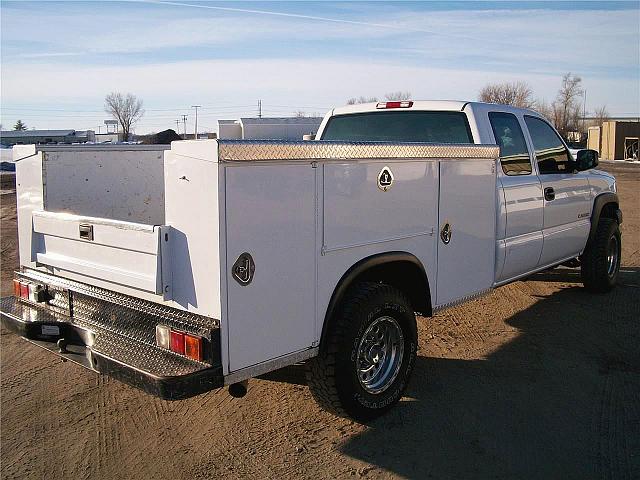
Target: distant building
[
  {"x": 107, "y": 137},
  {"x": 26, "y": 137},
  {"x": 615, "y": 140},
  {"x": 268, "y": 128}
]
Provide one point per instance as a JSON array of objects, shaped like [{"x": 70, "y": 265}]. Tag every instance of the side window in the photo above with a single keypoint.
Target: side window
[
  {"x": 514, "y": 155},
  {"x": 551, "y": 154}
]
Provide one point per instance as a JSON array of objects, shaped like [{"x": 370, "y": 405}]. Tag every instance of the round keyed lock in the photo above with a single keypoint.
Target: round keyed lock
[{"x": 445, "y": 233}]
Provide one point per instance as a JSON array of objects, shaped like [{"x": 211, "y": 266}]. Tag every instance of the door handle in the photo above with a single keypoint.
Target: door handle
[{"x": 549, "y": 194}]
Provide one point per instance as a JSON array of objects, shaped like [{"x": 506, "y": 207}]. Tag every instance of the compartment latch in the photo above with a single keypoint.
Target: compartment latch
[{"x": 86, "y": 231}]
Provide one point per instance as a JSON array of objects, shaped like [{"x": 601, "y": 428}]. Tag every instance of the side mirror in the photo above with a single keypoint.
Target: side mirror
[
  {"x": 308, "y": 137},
  {"x": 586, "y": 160}
]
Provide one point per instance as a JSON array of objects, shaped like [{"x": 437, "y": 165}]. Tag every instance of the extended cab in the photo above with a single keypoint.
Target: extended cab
[{"x": 184, "y": 270}]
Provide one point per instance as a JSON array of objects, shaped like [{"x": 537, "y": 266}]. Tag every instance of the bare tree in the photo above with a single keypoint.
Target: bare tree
[
  {"x": 600, "y": 115},
  {"x": 517, "y": 94},
  {"x": 566, "y": 107},
  {"x": 399, "y": 95},
  {"x": 361, "y": 99},
  {"x": 126, "y": 109},
  {"x": 300, "y": 114},
  {"x": 542, "y": 107}
]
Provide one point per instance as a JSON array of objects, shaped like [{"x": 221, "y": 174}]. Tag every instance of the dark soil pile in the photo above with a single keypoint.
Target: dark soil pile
[{"x": 161, "y": 138}]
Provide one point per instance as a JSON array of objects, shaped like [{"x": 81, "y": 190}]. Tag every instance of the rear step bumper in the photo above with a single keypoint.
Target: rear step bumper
[{"x": 152, "y": 369}]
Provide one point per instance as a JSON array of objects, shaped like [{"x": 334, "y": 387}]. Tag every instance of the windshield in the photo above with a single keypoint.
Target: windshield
[{"x": 436, "y": 127}]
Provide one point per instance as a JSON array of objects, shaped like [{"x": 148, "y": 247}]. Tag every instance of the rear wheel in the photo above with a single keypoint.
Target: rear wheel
[
  {"x": 601, "y": 259},
  {"x": 370, "y": 352}
]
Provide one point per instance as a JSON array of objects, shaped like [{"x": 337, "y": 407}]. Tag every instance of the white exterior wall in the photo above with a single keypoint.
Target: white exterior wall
[
  {"x": 278, "y": 131},
  {"x": 229, "y": 130}
]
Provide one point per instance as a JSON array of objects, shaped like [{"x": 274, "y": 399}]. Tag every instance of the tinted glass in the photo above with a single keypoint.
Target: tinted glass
[
  {"x": 551, "y": 154},
  {"x": 396, "y": 126},
  {"x": 514, "y": 155}
]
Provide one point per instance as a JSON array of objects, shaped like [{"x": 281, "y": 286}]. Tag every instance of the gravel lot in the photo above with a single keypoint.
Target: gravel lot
[{"x": 537, "y": 380}]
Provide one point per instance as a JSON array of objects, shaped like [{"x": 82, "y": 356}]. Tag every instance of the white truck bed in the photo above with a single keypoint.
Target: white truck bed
[{"x": 306, "y": 212}]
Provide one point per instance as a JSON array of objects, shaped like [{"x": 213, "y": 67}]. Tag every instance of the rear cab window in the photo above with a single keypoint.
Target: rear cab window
[
  {"x": 514, "y": 155},
  {"x": 418, "y": 126}
]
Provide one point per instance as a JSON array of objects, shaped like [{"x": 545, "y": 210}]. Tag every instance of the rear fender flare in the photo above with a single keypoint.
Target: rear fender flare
[{"x": 420, "y": 297}]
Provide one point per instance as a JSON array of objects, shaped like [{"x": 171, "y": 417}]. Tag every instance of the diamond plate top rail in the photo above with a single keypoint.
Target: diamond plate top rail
[{"x": 257, "y": 150}]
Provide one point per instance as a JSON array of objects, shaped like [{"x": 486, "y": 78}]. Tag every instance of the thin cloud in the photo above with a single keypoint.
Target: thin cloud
[
  {"x": 404, "y": 27},
  {"x": 288, "y": 15},
  {"x": 51, "y": 54}
]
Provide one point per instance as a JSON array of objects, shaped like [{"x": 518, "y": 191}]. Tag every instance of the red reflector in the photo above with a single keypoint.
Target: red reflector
[
  {"x": 16, "y": 288},
  {"x": 24, "y": 290},
  {"x": 177, "y": 342},
  {"x": 402, "y": 104},
  {"x": 193, "y": 347}
]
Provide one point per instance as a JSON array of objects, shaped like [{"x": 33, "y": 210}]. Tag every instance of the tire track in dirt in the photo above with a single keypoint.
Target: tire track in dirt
[{"x": 619, "y": 415}]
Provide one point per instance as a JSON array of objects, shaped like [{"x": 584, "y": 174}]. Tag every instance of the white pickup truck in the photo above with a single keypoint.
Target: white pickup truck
[{"x": 186, "y": 269}]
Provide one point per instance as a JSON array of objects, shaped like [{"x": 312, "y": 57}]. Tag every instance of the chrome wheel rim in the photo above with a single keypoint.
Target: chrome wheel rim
[
  {"x": 612, "y": 256},
  {"x": 380, "y": 354}
]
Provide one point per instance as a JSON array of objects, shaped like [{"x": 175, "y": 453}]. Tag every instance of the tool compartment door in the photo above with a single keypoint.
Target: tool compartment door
[
  {"x": 100, "y": 251},
  {"x": 270, "y": 215},
  {"x": 467, "y": 205}
]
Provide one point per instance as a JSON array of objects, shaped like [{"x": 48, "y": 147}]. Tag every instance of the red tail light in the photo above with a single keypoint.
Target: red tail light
[
  {"x": 16, "y": 288},
  {"x": 402, "y": 104},
  {"x": 177, "y": 342},
  {"x": 24, "y": 290}
]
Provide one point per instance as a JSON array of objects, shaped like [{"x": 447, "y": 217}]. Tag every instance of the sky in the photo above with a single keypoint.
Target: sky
[{"x": 60, "y": 59}]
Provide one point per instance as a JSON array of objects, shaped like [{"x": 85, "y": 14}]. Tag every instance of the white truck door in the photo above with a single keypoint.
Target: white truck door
[
  {"x": 466, "y": 246},
  {"x": 523, "y": 203},
  {"x": 567, "y": 197},
  {"x": 270, "y": 223}
]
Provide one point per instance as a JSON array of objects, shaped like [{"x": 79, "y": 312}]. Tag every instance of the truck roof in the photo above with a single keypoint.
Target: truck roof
[{"x": 444, "y": 105}]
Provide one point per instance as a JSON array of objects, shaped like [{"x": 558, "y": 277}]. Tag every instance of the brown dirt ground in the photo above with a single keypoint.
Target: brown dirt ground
[{"x": 537, "y": 380}]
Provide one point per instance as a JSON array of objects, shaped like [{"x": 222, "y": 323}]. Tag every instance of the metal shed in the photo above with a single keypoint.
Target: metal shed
[
  {"x": 268, "y": 128},
  {"x": 615, "y": 140}
]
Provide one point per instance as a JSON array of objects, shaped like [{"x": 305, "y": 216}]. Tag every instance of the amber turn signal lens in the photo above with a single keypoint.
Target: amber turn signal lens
[{"x": 193, "y": 347}]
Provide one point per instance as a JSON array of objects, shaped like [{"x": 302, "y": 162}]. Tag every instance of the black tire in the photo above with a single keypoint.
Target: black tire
[
  {"x": 600, "y": 262},
  {"x": 333, "y": 375}
]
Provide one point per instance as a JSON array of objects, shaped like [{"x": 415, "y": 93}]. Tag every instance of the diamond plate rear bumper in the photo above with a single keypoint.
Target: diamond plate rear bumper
[{"x": 106, "y": 351}]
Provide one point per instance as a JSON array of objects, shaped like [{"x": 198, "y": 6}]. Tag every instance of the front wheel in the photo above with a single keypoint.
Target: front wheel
[
  {"x": 600, "y": 261},
  {"x": 371, "y": 348}
]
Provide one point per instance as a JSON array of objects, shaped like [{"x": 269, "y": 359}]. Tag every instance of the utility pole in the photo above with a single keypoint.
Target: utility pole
[
  {"x": 259, "y": 108},
  {"x": 184, "y": 120},
  {"x": 584, "y": 114},
  {"x": 178, "y": 125},
  {"x": 195, "y": 137}
]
